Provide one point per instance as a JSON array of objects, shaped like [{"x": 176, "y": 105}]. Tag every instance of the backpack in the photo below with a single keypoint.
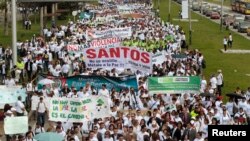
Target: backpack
[{"x": 203, "y": 63}]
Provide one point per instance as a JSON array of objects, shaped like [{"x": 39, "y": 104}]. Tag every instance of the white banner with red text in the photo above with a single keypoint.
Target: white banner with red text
[{"x": 118, "y": 57}]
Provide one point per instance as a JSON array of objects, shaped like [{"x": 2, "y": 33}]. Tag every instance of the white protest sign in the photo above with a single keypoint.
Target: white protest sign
[
  {"x": 78, "y": 110},
  {"x": 170, "y": 108},
  {"x": 159, "y": 57},
  {"x": 119, "y": 57},
  {"x": 16, "y": 125}
]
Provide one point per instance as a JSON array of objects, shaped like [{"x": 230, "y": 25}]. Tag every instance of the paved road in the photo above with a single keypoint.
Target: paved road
[{"x": 228, "y": 10}]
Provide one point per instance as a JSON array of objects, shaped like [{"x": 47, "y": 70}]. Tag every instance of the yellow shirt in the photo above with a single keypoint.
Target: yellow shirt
[{"x": 20, "y": 65}]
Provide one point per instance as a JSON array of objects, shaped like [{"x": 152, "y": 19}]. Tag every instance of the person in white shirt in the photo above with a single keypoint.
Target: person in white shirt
[
  {"x": 38, "y": 129},
  {"x": 102, "y": 129},
  {"x": 213, "y": 82},
  {"x": 225, "y": 118},
  {"x": 92, "y": 136},
  {"x": 10, "y": 82},
  {"x": 65, "y": 69},
  {"x": 203, "y": 84},
  {"x": 140, "y": 135},
  {"x": 20, "y": 108},
  {"x": 199, "y": 137},
  {"x": 29, "y": 136},
  {"x": 80, "y": 93},
  {"x": 219, "y": 81},
  {"x": 41, "y": 112},
  {"x": 229, "y": 106},
  {"x": 60, "y": 131},
  {"x": 225, "y": 41},
  {"x": 103, "y": 91},
  {"x": 230, "y": 40}
]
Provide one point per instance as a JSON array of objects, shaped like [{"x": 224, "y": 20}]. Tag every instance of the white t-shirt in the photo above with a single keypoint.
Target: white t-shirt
[
  {"x": 30, "y": 139},
  {"x": 196, "y": 139},
  {"x": 41, "y": 107},
  {"x": 229, "y": 107},
  {"x": 103, "y": 92},
  {"x": 213, "y": 81},
  {"x": 19, "y": 106},
  {"x": 219, "y": 79}
]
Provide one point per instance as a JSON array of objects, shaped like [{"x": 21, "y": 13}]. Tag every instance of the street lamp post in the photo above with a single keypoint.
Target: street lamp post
[
  {"x": 190, "y": 23},
  {"x": 169, "y": 10},
  {"x": 14, "y": 31},
  {"x": 221, "y": 15}
]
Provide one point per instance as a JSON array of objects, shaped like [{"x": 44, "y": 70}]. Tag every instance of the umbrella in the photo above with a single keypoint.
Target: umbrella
[
  {"x": 234, "y": 95},
  {"x": 48, "y": 136},
  {"x": 46, "y": 82},
  {"x": 207, "y": 94}
]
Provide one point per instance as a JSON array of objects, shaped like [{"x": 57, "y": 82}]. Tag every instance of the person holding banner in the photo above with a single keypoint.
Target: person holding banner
[{"x": 20, "y": 108}]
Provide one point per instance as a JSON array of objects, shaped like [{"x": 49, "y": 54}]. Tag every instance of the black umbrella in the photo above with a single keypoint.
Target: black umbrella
[
  {"x": 207, "y": 94},
  {"x": 234, "y": 95}
]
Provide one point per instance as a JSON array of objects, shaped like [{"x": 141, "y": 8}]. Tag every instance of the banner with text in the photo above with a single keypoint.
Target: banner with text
[
  {"x": 125, "y": 32},
  {"x": 78, "y": 110},
  {"x": 189, "y": 84},
  {"x": 96, "y": 81},
  {"x": 97, "y": 43},
  {"x": 119, "y": 57}
]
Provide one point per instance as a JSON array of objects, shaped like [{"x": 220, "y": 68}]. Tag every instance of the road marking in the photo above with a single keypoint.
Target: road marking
[
  {"x": 186, "y": 20},
  {"x": 235, "y": 51}
]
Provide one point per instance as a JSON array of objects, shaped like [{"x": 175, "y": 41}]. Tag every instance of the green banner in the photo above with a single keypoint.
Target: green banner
[{"x": 189, "y": 84}]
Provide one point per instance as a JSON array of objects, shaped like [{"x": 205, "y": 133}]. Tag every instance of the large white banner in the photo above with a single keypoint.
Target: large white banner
[
  {"x": 78, "y": 110},
  {"x": 16, "y": 125},
  {"x": 129, "y": 8},
  {"x": 184, "y": 9},
  {"x": 9, "y": 95},
  {"x": 125, "y": 32},
  {"x": 119, "y": 57}
]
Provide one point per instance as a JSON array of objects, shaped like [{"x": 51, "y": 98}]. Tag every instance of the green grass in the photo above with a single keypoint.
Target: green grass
[
  {"x": 225, "y": 3},
  {"x": 207, "y": 37},
  {"x": 23, "y": 34}
]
